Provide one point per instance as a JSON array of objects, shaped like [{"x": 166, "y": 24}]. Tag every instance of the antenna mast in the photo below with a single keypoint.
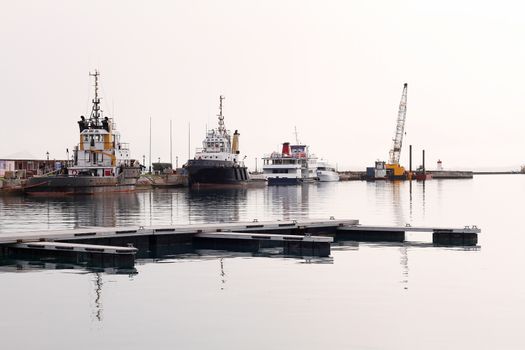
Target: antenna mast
[
  {"x": 171, "y": 147},
  {"x": 189, "y": 140},
  {"x": 296, "y": 135},
  {"x": 96, "y": 101},
  {"x": 222, "y": 129},
  {"x": 150, "y": 144}
]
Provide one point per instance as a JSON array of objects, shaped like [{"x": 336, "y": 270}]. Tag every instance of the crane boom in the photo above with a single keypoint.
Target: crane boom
[{"x": 395, "y": 152}]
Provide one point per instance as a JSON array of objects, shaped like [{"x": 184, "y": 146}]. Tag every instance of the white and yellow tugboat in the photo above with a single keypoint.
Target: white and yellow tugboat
[
  {"x": 218, "y": 162},
  {"x": 101, "y": 163}
]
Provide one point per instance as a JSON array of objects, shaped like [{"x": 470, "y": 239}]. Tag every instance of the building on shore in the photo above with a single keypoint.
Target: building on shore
[{"x": 28, "y": 167}]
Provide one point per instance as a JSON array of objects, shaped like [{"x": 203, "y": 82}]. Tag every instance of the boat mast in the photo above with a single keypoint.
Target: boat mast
[
  {"x": 171, "y": 147},
  {"x": 189, "y": 140},
  {"x": 150, "y": 144},
  {"x": 222, "y": 129},
  {"x": 96, "y": 101}
]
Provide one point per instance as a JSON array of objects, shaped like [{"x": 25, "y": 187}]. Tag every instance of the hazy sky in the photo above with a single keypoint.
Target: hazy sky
[{"x": 333, "y": 69}]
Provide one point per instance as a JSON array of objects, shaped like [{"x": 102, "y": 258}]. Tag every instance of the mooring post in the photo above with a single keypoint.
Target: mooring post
[
  {"x": 424, "y": 169},
  {"x": 410, "y": 160}
]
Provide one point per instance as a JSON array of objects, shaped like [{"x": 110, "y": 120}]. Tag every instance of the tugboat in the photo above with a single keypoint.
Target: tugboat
[
  {"x": 217, "y": 163},
  {"x": 101, "y": 163},
  {"x": 294, "y": 165}
]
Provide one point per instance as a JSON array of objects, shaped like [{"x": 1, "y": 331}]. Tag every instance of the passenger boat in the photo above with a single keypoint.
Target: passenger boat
[
  {"x": 218, "y": 162},
  {"x": 294, "y": 165},
  {"x": 326, "y": 172},
  {"x": 101, "y": 162}
]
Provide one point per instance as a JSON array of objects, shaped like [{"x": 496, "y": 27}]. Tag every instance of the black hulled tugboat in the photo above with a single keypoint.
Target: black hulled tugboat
[{"x": 218, "y": 162}]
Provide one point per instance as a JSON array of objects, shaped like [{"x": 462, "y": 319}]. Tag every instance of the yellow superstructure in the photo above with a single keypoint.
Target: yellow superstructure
[{"x": 396, "y": 171}]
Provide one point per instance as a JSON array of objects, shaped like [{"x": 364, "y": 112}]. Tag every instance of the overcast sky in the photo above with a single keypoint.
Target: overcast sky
[{"x": 333, "y": 69}]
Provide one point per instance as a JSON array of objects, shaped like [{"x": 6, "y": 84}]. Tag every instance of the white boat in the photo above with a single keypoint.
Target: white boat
[
  {"x": 326, "y": 172},
  {"x": 294, "y": 165}
]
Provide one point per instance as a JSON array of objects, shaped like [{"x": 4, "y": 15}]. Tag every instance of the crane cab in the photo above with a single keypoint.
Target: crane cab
[{"x": 396, "y": 172}]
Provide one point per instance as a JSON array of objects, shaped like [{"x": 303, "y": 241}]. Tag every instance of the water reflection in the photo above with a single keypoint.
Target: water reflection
[
  {"x": 404, "y": 263},
  {"x": 289, "y": 201},
  {"x": 351, "y": 245},
  {"x": 22, "y": 265},
  {"x": 397, "y": 203},
  {"x": 410, "y": 200},
  {"x": 164, "y": 205},
  {"x": 398, "y": 196},
  {"x": 161, "y": 206},
  {"x": 404, "y": 248},
  {"x": 66, "y": 212},
  {"x": 223, "y": 274},
  {"x": 98, "y": 297},
  {"x": 218, "y": 205},
  {"x": 388, "y": 194}
]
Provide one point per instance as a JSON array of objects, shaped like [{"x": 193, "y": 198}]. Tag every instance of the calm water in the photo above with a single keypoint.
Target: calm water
[{"x": 365, "y": 296}]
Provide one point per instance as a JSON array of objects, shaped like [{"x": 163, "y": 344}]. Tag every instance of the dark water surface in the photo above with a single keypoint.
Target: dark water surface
[{"x": 365, "y": 296}]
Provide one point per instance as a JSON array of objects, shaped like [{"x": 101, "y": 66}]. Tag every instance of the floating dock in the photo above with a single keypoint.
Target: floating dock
[
  {"x": 88, "y": 254},
  {"x": 119, "y": 246},
  {"x": 291, "y": 244},
  {"x": 467, "y": 235}
]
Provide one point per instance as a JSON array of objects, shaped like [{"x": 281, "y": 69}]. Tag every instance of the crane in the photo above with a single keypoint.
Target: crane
[
  {"x": 395, "y": 152},
  {"x": 392, "y": 170},
  {"x": 397, "y": 171}
]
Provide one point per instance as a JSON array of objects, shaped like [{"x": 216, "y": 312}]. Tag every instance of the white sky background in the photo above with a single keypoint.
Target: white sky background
[{"x": 334, "y": 69}]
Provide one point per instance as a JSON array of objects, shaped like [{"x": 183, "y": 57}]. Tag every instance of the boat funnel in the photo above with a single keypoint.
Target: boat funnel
[
  {"x": 235, "y": 143},
  {"x": 286, "y": 148}
]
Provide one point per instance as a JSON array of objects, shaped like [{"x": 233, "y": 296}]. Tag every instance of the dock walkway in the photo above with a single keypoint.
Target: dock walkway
[
  {"x": 114, "y": 232},
  {"x": 294, "y": 237}
]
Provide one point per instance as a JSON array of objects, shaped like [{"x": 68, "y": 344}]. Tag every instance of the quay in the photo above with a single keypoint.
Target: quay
[
  {"x": 14, "y": 184},
  {"x": 435, "y": 174},
  {"x": 351, "y": 175},
  {"x": 450, "y": 174},
  {"x": 499, "y": 172},
  {"x": 119, "y": 246}
]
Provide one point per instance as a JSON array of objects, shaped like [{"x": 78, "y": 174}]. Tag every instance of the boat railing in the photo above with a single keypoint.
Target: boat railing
[
  {"x": 200, "y": 151},
  {"x": 293, "y": 155},
  {"x": 52, "y": 173},
  {"x": 211, "y": 150},
  {"x": 274, "y": 155},
  {"x": 124, "y": 146}
]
